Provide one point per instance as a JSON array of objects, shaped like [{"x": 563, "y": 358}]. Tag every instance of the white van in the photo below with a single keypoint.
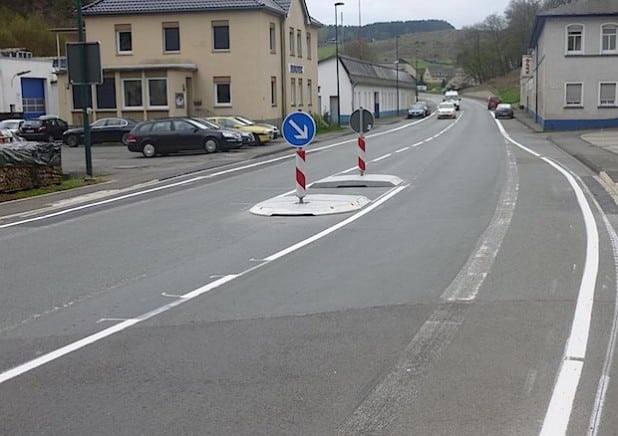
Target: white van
[{"x": 452, "y": 96}]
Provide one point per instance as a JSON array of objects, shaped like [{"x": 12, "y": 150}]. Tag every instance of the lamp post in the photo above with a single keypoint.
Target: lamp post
[
  {"x": 337, "y": 60},
  {"x": 416, "y": 71},
  {"x": 397, "y": 72}
]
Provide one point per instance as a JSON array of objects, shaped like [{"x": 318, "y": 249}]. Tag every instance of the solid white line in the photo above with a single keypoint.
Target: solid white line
[
  {"x": 559, "y": 411},
  {"x": 561, "y": 405},
  {"x": 337, "y": 226},
  {"x": 378, "y": 159},
  {"x": 56, "y": 354}
]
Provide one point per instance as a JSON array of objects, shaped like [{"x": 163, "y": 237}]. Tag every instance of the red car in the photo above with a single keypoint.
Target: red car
[{"x": 493, "y": 101}]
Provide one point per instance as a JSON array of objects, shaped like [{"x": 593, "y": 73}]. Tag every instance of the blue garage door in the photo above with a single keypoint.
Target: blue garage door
[{"x": 33, "y": 97}]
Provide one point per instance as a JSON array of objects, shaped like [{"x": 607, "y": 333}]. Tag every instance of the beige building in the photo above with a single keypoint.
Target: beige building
[{"x": 186, "y": 58}]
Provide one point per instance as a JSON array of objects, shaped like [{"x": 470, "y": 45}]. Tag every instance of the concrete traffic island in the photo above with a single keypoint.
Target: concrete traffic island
[
  {"x": 358, "y": 181},
  {"x": 312, "y": 205}
]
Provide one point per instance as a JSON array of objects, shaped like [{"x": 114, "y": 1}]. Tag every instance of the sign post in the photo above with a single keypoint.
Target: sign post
[
  {"x": 361, "y": 121},
  {"x": 84, "y": 65},
  {"x": 298, "y": 130}
]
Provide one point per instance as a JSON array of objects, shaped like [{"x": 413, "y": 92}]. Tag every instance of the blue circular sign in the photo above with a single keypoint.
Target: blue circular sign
[{"x": 298, "y": 129}]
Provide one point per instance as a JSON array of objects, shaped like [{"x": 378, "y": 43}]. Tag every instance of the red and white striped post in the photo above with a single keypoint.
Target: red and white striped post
[
  {"x": 362, "y": 163},
  {"x": 300, "y": 174}
]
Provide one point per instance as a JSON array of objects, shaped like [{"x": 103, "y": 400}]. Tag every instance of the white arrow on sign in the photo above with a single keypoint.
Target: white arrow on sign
[{"x": 302, "y": 133}]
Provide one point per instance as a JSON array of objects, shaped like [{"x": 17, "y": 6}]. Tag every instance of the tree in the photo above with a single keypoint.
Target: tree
[
  {"x": 550, "y": 4},
  {"x": 359, "y": 49}
]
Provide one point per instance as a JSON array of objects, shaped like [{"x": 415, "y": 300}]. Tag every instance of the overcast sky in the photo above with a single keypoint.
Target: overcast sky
[{"x": 457, "y": 12}]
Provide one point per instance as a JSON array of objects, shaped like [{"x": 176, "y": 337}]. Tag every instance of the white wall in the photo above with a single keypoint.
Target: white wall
[{"x": 10, "y": 82}]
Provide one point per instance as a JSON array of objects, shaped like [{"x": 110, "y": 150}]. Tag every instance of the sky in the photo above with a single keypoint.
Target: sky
[{"x": 459, "y": 13}]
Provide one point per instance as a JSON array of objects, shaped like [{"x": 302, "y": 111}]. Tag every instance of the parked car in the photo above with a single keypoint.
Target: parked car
[
  {"x": 103, "y": 130},
  {"x": 44, "y": 128},
  {"x": 447, "y": 109},
  {"x": 275, "y": 129},
  {"x": 12, "y": 124},
  {"x": 172, "y": 135},
  {"x": 248, "y": 138},
  {"x": 262, "y": 134},
  {"x": 418, "y": 110},
  {"x": 504, "y": 110},
  {"x": 493, "y": 101}
]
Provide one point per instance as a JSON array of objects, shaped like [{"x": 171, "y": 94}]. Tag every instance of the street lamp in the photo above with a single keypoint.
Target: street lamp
[
  {"x": 397, "y": 72},
  {"x": 337, "y": 59},
  {"x": 416, "y": 70},
  {"x": 21, "y": 73}
]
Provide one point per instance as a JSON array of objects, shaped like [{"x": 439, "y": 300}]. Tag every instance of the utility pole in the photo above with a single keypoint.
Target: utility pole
[
  {"x": 397, "y": 71},
  {"x": 337, "y": 59}
]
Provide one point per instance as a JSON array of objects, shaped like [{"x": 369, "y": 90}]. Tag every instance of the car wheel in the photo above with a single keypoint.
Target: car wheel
[
  {"x": 72, "y": 141},
  {"x": 149, "y": 150},
  {"x": 125, "y": 137},
  {"x": 211, "y": 145}
]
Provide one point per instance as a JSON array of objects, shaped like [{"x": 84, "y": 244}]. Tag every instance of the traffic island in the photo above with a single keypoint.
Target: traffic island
[{"x": 311, "y": 205}]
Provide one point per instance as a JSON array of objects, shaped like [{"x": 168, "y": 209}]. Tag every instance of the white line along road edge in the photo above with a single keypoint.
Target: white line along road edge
[{"x": 561, "y": 404}]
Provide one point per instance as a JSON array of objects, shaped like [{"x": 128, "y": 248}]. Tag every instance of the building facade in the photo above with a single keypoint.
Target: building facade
[
  {"x": 28, "y": 84},
  {"x": 569, "y": 79},
  {"x": 379, "y": 89},
  {"x": 186, "y": 58}
]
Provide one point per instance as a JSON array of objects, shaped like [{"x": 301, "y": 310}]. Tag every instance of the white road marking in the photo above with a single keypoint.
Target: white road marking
[
  {"x": 561, "y": 404},
  {"x": 378, "y": 159},
  {"x": 63, "y": 351},
  {"x": 470, "y": 278}
]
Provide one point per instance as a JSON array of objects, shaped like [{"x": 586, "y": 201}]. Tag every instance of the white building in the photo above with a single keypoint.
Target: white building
[
  {"x": 570, "y": 78},
  {"x": 379, "y": 89},
  {"x": 28, "y": 85}
]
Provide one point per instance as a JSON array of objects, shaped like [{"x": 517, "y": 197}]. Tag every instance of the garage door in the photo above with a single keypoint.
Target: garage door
[{"x": 33, "y": 97}]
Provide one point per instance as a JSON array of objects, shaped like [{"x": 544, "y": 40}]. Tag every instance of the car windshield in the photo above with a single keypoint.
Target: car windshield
[
  {"x": 32, "y": 123},
  {"x": 445, "y": 105},
  {"x": 208, "y": 123},
  {"x": 245, "y": 121}
]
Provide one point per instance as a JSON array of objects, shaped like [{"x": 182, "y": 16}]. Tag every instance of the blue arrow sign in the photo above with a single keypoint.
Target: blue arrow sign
[{"x": 298, "y": 129}]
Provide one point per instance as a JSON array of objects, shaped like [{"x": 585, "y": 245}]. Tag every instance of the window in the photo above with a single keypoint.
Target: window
[
  {"x": 291, "y": 41},
  {"x": 223, "y": 91},
  {"x": 573, "y": 94},
  {"x": 300, "y": 92},
  {"x": 609, "y": 37},
  {"x": 293, "y": 91},
  {"x": 574, "y": 38},
  {"x": 77, "y": 97},
  {"x": 607, "y": 94},
  {"x": 221, "y": 35},
  {"x": 132, "y": 93},
  {"x": 171, "y": 37},
  {"x": 124, "y": 41},
  {"x": 106, "y": 94},
  {"x": 299, "y": 43},
  {"x": 273, "y": 91},
  {"x": 309, "y": 92},
  {"x": 183, "y": 126},
  {"x": 157, "y": 92},
  {"x": 273, "y": 38},
  {"x": 308, "y": 46}
]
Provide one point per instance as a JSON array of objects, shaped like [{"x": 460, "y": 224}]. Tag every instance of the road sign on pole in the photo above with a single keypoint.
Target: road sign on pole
[
  {"x": 361, "y": 117},
  {"x": 298, "y": 129}
]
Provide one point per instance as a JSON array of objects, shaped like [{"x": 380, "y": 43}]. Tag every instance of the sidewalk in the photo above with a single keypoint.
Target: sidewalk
[{"x": 597, "y": 149}]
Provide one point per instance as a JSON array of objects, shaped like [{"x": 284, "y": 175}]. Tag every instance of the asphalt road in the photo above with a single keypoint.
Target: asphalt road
[{"x": 478, "y": 297}]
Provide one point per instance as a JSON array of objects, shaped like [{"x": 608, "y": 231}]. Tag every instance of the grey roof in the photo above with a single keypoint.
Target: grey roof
[
  {"x": 132, "y": 7},
  {"x": 367, "y": 73},
  {"x": 584, "y": 8},
  {"x": 581, "y": 8}
]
